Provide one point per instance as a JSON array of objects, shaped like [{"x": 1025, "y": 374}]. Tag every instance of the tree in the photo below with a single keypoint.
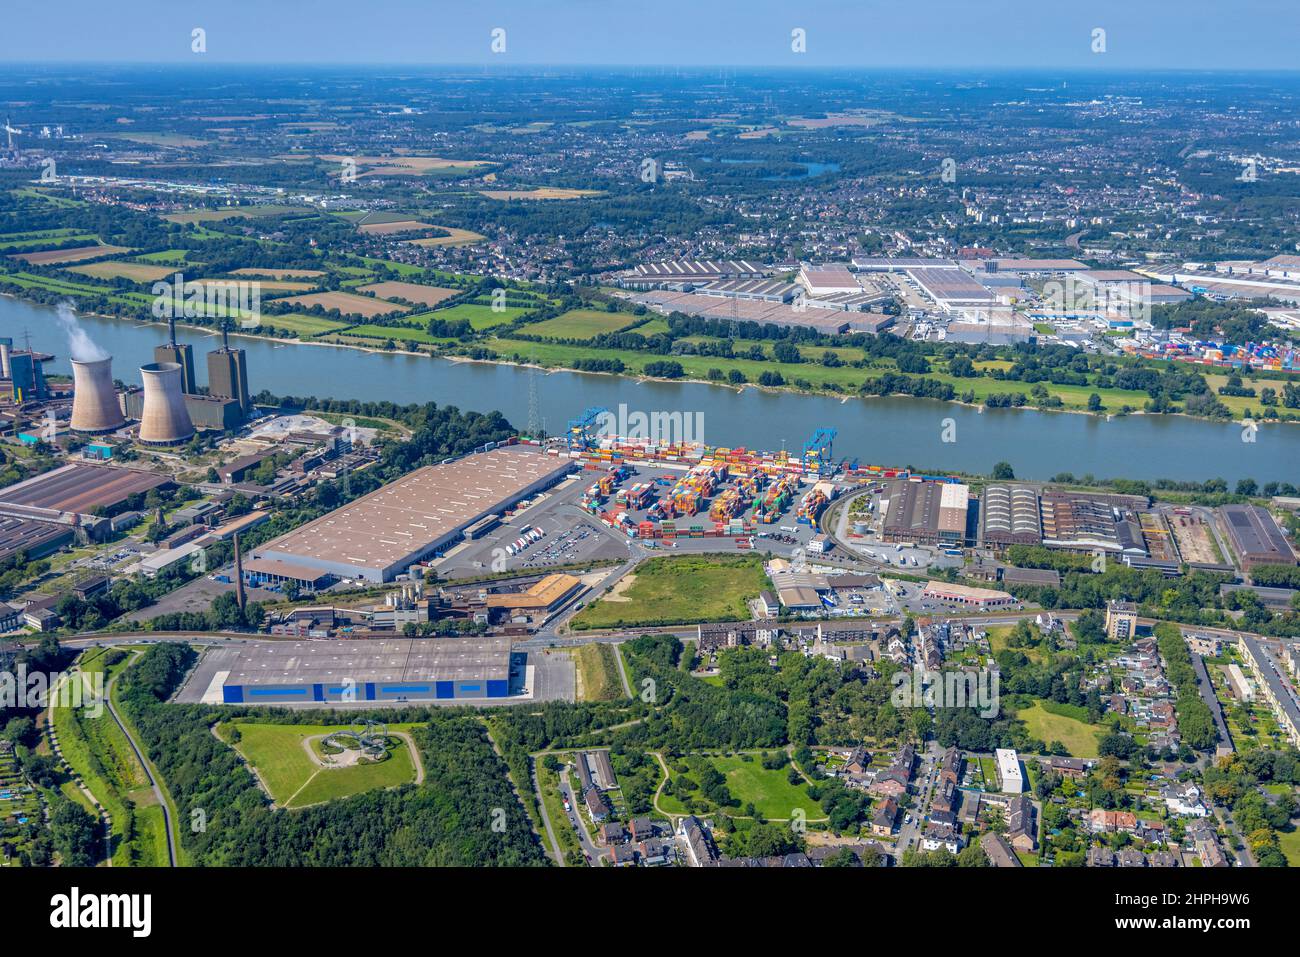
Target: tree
[
  {"x": 1003, "y": 471},
  {"x": 1094, "y": 403}
]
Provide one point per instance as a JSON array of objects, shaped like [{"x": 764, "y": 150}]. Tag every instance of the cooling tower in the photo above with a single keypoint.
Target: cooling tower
[
  {"x": 95, "y": 407},
  {"x": 163, "y": 419}
]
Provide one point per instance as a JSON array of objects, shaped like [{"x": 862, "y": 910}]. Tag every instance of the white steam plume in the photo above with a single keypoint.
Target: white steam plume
[{"x": 80, "y": 346}]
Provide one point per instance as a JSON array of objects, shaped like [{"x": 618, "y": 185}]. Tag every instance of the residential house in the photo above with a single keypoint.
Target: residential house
[
  {"x": 883, "y": 817},
  {"x": 596, "y": 805},
  {"x": 998, "y": 851},
  {"x": 936, "y": 836},
  {"x": 1022, "y": 829},
  {"x": 611, "y": 832}
]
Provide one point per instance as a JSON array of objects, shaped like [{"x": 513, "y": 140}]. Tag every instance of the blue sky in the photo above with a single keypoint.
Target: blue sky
[{"x": 1140, "y": 34}]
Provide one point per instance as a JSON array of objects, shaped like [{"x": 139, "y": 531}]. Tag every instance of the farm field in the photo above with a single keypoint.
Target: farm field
[
  {"x": 304, "y": 326},
  {"x": 541, "y": 192},
  {"x": 265, "y": 285},
  {"x": 110, "y": 269},
  {"x": 398, "y": 334},
  {"x": 480, "y": 315},
  {"x": 1079, "y": 737},
  {"x": 16, "y": 242},
  {"x": 230, "y": 212},
  {"x": 580, "y": 324},
  {"x": 400, "y": 226},
  {"x": 403, "y": 165},
  {"x": 411, "y": 292},
  {"x": 686, "y": 589},
  {"x": 456, "y": 237},
  {"x": 76, "y": 254},
  {"x": 279, "y": 752},
  {"x": 173, "y": 257},
  {"x": 346, "y": 303},
  {"x": 278, "y": 273}
]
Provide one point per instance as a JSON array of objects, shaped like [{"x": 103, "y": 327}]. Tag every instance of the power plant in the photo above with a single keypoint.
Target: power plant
[
  {"x": 95, "y": 406},
  {"x": 180, "y": 353},
  {"x": 228, "y": 373},
  {"x": 164, "y": 420}
]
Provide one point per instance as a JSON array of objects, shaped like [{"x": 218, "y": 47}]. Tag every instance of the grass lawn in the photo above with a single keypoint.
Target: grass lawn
[
  {"x": 580, "y": 324},
  {"x": 279, "y": 753},
  {"x": 998, "y": 641},
  {"x": 686, "y": 589},
  {"x": 1290, "y": 844},
  {"x": 1079, "y": 738},
  {"x": 771, "y": 792}
]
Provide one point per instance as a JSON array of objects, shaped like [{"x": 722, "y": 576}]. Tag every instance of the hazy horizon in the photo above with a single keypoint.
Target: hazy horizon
[{"x": 1162, "y": 35}]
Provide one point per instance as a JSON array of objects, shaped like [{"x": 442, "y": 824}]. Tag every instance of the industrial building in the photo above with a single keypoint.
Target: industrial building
[
  {"x": 1255, "y": 537},
  {"x": 926, "y": 513},
  {"x": 1089, "y": 524},
  {"x": 228, "y": 374},
  {"x": 690, "y": 272},
  {"x": 1009, "y": 515},
  {"x": 411, "y": 669},
  {"x": 980, "y": 598},
  {"x": 828, "y": 280},
  {"x": 164, "y": 419},
  {"x": 415, "y": 517},
  {"x": 95, "y": 406},
  {"x": 69, "y": 498},
  {"x": 538, "y": 600}
]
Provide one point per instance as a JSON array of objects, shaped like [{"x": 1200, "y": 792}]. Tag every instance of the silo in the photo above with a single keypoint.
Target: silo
[
  {"x": 95, "y": 407},
  {"x": 164, "y": 419}
]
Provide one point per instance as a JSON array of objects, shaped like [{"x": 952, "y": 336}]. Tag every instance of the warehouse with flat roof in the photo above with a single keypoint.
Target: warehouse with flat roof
[
  {"x": 403, "y": 669},
  {"x": 926, "y": 513},
  {"x": 1255, "y": 536},
  {"x": 380, "y": 535}
]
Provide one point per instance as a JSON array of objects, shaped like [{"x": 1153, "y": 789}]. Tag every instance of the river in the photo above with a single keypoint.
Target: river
[{"x": 897, "y": 431}]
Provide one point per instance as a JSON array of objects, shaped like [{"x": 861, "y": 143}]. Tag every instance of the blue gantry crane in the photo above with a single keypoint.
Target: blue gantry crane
[
  {"x": 818, "y": 452},
  {"x": 581, "y": 434}
]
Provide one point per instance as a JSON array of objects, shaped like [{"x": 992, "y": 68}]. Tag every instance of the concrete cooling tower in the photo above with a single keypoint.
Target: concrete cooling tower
[
  {"x": 95, "y": 407},
  {"x": 164, "y": 419}
]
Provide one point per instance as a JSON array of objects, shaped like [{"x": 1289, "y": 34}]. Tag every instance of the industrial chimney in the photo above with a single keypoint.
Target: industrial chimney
[
  {"x": 164, "y": 419},
  {"x": 95, "y": 407}
]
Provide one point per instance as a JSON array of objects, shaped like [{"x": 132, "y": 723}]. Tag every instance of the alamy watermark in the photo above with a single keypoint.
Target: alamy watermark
[
  {"x": 236, "y": 299},
  {"x": 37, "y": 690},
  {"x": 658, "y": 427},
  {"x": 922, "y": 688}
]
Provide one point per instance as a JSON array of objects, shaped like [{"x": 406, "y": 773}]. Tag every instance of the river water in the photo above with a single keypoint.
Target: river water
[{"x": 895, "y": 431}]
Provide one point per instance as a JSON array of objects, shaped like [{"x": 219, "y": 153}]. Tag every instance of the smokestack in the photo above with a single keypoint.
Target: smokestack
[
  {"x": 239, "y": 574},
  {"x": 171, "y": 330},
  {"x": 4, "y": 361},
  {"x": 95, "y": 407},
  {"x": 164, "y": 420}
]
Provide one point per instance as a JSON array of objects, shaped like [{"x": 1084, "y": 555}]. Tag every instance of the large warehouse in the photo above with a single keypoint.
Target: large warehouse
[
  {"x": 1255, "y": 536},
  {"x": 926, "y": 513},
  {"x": 406, "y": 669},
  {"x": 381, "y": 534}
]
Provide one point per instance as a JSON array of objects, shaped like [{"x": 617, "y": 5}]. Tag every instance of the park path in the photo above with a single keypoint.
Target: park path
[
  {"x": 168, "y": 822},
  {"x": 104, "y": 818}
]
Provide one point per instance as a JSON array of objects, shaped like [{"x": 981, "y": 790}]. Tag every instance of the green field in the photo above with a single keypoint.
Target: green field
[
  {"x": 98, "y": 751},
  {"x": 598, "y": 677},
  {"x": 304, "y": 326},
  {"x": 669, "y": 590},
  {"x": 580, "y": 324},
  {"x": 1079, "y": 737},
  {"x": 479, "y": 315},
  {"x": 279, "y": 754}
]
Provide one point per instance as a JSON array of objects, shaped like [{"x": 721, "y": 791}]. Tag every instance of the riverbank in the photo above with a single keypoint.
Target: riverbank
[
  {"x": 890, "y": 430},
  {"x": 1116, "y": 403}
]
